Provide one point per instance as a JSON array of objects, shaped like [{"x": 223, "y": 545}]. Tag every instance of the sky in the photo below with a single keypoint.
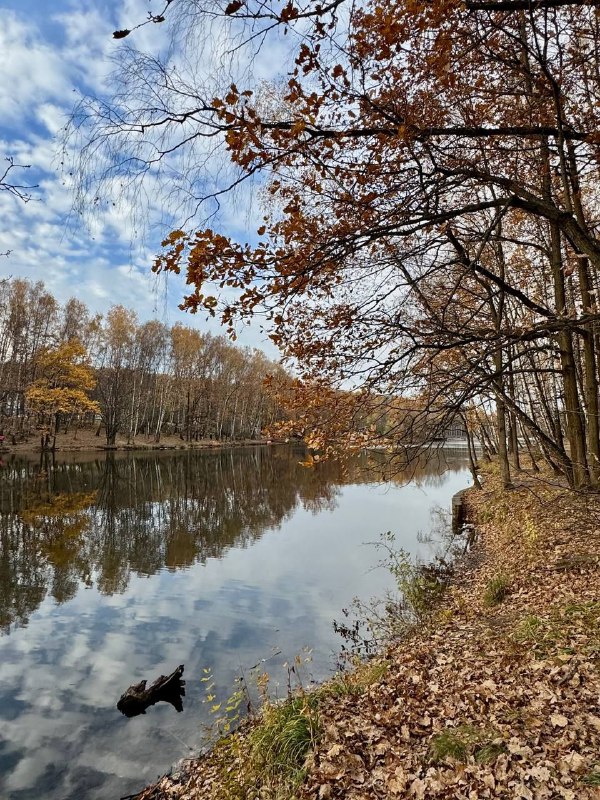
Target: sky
[{"x": 52, "y": 53}]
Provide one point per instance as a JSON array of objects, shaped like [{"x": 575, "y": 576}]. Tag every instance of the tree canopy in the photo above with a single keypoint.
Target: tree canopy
[
  {"x": 429, "y": 178},
  {"x": 64, "y": 381}
]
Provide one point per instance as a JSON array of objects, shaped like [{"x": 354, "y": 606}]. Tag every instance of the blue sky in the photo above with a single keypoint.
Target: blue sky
[{"x": 50, "y": 54}]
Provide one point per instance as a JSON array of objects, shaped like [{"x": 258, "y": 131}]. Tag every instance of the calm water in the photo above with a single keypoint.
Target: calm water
[{"x": 120, "y": 568}]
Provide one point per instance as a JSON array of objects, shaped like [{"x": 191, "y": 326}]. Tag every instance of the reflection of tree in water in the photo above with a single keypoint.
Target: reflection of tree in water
[
  {"x": 65, "y": 525},
  {"x": 61, "y": 521},
  {"x": 424, "y": 468}
]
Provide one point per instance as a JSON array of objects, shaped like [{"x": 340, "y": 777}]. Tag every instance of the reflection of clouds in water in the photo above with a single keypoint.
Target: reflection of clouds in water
[
  {"x": 66, "y": 670},
  {"x": 148, "y": 513}
]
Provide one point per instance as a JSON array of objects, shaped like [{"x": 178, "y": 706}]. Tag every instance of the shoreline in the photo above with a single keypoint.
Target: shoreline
[
  {"x": 84, "y": 446},
  {"x": 493, "y": 694}
]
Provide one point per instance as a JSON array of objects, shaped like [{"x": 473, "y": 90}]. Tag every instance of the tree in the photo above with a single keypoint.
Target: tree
[
  {"x": 28, "y": 315},
  {"x": 63, "y": 383},
  {"x": 115, "y": 372},
  {"x": 432, "y": 175},
  {"x": 186, "y": 345}
]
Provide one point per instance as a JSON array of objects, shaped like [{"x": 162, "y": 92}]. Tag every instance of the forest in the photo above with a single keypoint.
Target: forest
[{"x": 62, "y": 366}]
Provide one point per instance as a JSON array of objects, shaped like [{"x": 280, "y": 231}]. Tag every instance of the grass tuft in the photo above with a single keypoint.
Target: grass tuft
[
  {"x": 267, "y": 759},
  {"x": 567, "y": 629},
  {"x": 280, "y": 743},
  {"x": 592, "y": 778},
  {"x": 449, "y": 744},
  {"x": 357, "y": 681},
  {"x": 463, "y": 742},
  {"x": 497, "y": 590},
  {"x": 489, "y": 752}
]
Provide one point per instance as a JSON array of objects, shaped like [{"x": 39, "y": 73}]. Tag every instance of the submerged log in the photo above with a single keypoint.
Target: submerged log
[{"x": 167, "y": 688}]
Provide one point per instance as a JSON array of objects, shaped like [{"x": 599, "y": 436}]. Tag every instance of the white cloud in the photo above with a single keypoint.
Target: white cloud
[
  {"x": 106, "y": 258},
  {"x": 31, "y": 71},
  {"x": 52, "y": 117}
]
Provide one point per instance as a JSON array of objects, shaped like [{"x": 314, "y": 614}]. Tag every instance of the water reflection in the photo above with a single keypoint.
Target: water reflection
[
  {"x": 69, "y": 525},
  {"x": 116, "y": 569}
]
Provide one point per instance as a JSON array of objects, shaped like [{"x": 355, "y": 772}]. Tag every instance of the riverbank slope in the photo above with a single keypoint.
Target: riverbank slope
[{"x": 495, "y": 694}]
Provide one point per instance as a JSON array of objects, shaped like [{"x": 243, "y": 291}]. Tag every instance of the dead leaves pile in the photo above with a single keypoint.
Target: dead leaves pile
[
  {"x": 534, "y": 723},
  {"x": 489, "y": 700}
]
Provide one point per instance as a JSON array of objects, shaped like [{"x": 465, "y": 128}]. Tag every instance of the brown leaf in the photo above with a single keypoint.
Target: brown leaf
[
  {"x": 234, "y": 6},
  {"x": 559, "y": 720},
  {"x": 576, "y": 762}
]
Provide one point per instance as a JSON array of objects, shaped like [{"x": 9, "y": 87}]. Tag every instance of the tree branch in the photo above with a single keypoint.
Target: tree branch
[
  {"x": 18, "y": 190},
  {"x": 524, "y": 5}
]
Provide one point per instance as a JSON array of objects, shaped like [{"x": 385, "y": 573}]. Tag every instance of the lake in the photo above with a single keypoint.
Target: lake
[{"x": 119, "y": 567}]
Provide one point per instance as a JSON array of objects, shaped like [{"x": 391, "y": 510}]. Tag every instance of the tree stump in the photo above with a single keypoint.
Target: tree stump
[{"x": 167, "y": 688}]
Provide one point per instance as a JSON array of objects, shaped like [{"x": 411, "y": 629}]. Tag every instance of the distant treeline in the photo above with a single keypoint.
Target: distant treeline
[{"x": 152, "y": 379}]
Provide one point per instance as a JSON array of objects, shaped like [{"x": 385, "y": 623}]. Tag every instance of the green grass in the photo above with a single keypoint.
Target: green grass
[
  {"x": 355, "y": 682},
  {"x": 497, "y": 590},
  {"x": 266, "y": 759},
  {"x": 570, "y": 628},
  {"x": 529, "y": 629},
  {"x": 449, "y": 744},
  {"x": 463, "y": 742},
  {"x": 282, "y": 739},
  {"x": 592, "y": 778},
  {"x": 489, "y": 752}
]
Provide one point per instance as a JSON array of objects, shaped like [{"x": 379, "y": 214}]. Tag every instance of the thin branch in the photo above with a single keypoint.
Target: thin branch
[{"x": 18, "y": 190}]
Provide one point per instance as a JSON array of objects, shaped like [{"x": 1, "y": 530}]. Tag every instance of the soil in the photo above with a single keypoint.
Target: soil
[{"x": 85, "y": 440}]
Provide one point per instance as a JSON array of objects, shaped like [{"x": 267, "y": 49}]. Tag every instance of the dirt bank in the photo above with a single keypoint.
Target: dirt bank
[
  {"x": 495, "y": 695},
  {"x": 85, "y": 440}
]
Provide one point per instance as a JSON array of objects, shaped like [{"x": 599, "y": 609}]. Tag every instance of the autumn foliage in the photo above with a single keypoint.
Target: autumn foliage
[
  {"x": 64, "y": 383},
  {"x": 125, "y": 378},
  {"x": 429, "y": 179}
]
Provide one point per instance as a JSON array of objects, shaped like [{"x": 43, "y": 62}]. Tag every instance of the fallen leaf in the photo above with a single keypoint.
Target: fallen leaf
[{"x": 559, "y": 720}]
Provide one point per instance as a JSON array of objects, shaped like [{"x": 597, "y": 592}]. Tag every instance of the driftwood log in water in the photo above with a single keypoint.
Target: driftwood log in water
[{"x": 168, "y": 688}]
